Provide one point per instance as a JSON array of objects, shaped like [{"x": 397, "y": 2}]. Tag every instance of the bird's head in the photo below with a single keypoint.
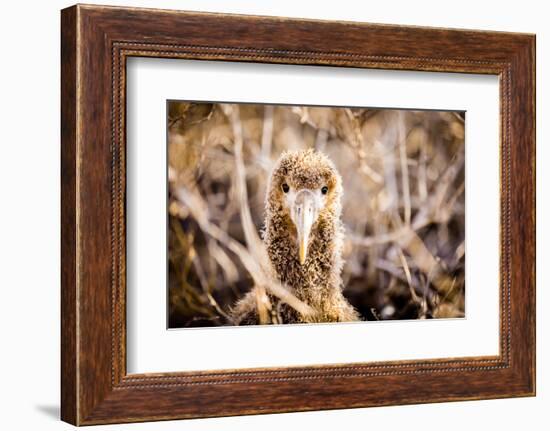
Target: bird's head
[{"x": 305, "y": 188}]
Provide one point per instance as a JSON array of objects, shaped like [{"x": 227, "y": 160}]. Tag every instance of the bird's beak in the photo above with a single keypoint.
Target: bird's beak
[{"x": 304, "y": 216}]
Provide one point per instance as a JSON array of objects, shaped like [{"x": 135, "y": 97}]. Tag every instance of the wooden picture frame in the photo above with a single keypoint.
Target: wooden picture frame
[{"x": 95, "y": 43}]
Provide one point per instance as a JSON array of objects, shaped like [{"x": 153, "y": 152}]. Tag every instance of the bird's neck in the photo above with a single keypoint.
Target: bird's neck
[{"x": 318, "y": 279}]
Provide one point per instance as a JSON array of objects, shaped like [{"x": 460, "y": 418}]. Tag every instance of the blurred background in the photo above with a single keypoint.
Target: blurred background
[{"x": 403, "y": 205}]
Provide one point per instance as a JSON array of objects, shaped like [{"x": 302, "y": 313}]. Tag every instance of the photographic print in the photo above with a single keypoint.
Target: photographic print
[
  {"x": 249, "y": 211},
  {"x": 282, "y": 214}
]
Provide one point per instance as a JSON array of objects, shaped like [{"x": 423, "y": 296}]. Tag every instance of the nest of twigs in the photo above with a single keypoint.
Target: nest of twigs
[{"x": 403, "y": 207}]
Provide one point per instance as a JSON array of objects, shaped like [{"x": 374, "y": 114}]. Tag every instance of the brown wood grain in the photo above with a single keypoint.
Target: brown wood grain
[
  {"x": 68, "y": 218},
  {"x": 96, "y": 41}
]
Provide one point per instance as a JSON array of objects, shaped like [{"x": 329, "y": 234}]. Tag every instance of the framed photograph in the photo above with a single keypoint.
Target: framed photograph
[{"x": 265, "y": 215}]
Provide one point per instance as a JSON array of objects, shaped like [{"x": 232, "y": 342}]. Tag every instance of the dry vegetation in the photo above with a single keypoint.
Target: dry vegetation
[{"x": 403, "y": 208}]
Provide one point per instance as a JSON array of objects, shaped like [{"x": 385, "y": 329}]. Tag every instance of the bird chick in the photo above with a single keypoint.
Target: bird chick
[{"x": 304, "y": 238}]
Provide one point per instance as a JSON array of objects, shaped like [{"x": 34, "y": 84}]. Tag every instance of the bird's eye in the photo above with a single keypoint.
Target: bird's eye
[
  {"x": 285, "y": 187},
  {"x": 324, "y": 190}
]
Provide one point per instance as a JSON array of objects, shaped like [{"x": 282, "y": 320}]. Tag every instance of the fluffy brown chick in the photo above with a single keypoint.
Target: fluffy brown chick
[{"x": 304, "y": 238}]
